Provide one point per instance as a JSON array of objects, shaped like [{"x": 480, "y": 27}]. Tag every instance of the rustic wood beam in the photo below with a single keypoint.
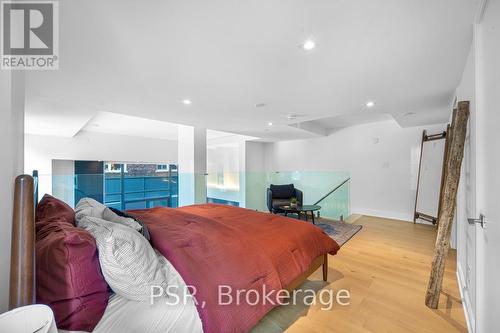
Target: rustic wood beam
[
  {"x": 449, "y": 200},
  {"x": 443, "y": 167}
]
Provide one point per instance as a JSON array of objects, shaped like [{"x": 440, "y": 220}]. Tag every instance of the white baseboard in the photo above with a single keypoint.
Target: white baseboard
[
  {"x": 383, "y": 214},
  {"x": 464, "y": 295}
]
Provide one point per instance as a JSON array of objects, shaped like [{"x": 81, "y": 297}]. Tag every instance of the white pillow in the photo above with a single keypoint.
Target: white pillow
[
  {"x": 93, "y": 208},
  {"x": 128, "y": 262},
  {"x": 88, "y": 207},
  {"x": 111, "y": 216}
]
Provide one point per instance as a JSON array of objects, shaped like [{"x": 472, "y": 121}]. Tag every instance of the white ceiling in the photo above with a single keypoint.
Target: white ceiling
[
  {"x": 326, "y": 126},
  {"x": 213, "y": 135},
  {"x": 142, "y": 58},
  {"x": 118, "y": 124}
]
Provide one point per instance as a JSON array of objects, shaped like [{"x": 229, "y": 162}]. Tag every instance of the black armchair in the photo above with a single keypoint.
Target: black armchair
[{"x": 281, "y": 195}]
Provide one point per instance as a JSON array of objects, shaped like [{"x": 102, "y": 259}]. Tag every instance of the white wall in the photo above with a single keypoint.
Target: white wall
[
  {"x": 478, "y": 268},
  {"x": 41, "y": 150},
  {"x": 192, "y": 160},
  {"x": 381, "y": 157},
  {"x": 487, "y": 167},
  {"x": 223, "y": 168},
  {"x": 12, "y": 139},
  {"x": 255, "y": 156},
  {"x": 226, "y": 168},
  {"x": 255, "y": 180},
  {"x": 236, "y": 170},
  {"x": 463, "y": 234}
]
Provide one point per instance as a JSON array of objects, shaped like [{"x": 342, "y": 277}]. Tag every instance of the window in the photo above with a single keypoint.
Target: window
[
  {"x": 114, "y": 167},
  {"x": 140, "y": 185},
  {"x": 162, "y": 168}
]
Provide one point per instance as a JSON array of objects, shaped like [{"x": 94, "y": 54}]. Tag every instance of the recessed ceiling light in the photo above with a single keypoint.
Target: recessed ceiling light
[
  {"x": 269, "y": 124},
  {"x": 309, "y": 45},
  {"x": 370, "y": 104},
  {"x": 291, "y": 117},
  {"x": 186, "y": 102},
  {"x": 408, "y": 114},
  {"x": 260, "y": 105}
]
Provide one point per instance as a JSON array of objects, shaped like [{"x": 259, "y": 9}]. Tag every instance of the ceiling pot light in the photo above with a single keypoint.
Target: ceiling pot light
[
  {"x": 370, "y": 104},
  {"x": 269, "y": 124},
  {"x": 260, "y": 105},
  {"x": 186, "y": 102},
  {"x": 308, "y": 45},
  {"x": 291, "y": 117}
]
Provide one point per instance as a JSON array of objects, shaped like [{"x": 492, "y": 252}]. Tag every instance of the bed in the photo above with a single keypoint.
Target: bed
[{"x": 206, "y": 246}]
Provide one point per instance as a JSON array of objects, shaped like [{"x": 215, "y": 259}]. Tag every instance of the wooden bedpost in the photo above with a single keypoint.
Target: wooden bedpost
[
  {"x": 325, "y": 268},
  {"x": 449, "y": 199},
  {"x": 22, "y": 260}
]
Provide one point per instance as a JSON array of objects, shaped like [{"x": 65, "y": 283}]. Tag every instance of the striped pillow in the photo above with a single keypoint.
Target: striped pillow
[
  {"x": 111, "y": 216},
  {"x": 91, "y": 207},
  {"x": 129, "y": 264},
  {"x": 88, "y": 207}
]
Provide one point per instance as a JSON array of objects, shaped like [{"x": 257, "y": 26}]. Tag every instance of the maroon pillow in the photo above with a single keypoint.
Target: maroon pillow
[
  {"x": 50, "y": 208},
  {"x": 68, "y": 276}
]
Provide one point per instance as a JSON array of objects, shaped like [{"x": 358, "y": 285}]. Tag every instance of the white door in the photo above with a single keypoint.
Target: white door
[
  {"x": 466, "y": 233},
  {"x": 466, "y": 199},
  {"x": 487, "y": 45}
]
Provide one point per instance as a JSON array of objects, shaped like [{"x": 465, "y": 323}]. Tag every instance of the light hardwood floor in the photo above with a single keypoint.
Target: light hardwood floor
[{"x": 385, "y": 267}]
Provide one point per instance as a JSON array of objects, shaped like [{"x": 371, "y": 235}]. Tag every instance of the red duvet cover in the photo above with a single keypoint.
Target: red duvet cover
[{"x": 215, "y": 245}]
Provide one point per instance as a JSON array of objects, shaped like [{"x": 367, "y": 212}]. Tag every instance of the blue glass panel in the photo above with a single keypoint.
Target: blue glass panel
[
  {"x": 134, "y": 184},
  {"x": 112, "y": 185},
  {"x": 138, "y": 183},
  {"x": 223, "y": 202},
  {"x": 135, "y": 205},
  {"x": 174, "y": 185},
  {"x": 157, "y": 183},
  {"x": 116, "y": 205},
  {"x": 157, "y": 203},
  {"x": 156, "y": 194},
  {"x": 134, "y": 196},
  {"x": 112, "y": 197}
]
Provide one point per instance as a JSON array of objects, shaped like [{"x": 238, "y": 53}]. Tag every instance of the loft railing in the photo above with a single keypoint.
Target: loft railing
[
  {"x": 249, "y": 188},
  {"x": 118, "y": 192},
  {"x": 35, "y": 184},
  {"x": 332, "y": 192}
]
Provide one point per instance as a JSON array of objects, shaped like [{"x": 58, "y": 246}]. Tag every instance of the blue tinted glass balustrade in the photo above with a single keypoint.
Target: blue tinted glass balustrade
[
  {"x": 245, "y": 189},
  {"x": 118, "y": 190},
  {"x": 248, "y": 189}
]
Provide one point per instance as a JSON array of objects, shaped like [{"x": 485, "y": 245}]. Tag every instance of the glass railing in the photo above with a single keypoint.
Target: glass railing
[
  {"x": 244, "y": 189},
  {"x": 336, "y": 203},
  {"x": 248, "y": 189},
  {"x": 128, "y": 192}
]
